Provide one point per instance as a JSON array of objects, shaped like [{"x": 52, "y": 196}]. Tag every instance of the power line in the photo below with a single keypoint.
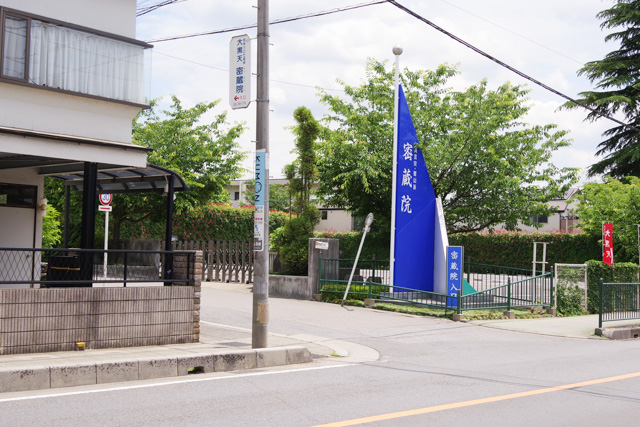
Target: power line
[
  {"x": 277, "y": 21},
  {"x": 143, "y": 10},
  {"x": 508, "y": 67},
  {"x": 227, "y": 70},
  {"x": 512, "y": 32}
]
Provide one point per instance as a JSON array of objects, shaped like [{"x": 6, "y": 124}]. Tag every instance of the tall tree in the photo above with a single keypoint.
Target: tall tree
[
  {"x": 485, "y": 163},
  {"x": 293, "y": 243},
  {"x": 617, "y": 201},
  {"x": 204, "y": 153},
  {"x": 617, "y": 78}
]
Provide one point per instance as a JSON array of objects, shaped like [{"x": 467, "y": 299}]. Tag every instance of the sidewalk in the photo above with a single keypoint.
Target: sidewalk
[
  {"x": 222, "y": 348},
  {"x": 572, "y": 327}
]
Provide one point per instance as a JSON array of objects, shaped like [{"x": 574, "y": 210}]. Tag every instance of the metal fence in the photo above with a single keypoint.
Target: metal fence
[
  {"x": 86, "y": 267},
  {"x": 483, "y": 276},
  {"x": 618, "y": 301},
  {"x": 224, "y": 261},
  {"x": 512, "y": 287}
]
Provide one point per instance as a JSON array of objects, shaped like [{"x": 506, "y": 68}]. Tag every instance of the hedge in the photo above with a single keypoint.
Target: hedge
[
  {"x": 211, "y": 222},
  {"x": 623, "y": 272},
  {"x": 515, "y": 249},
  {"x": 376, "y": 245}
]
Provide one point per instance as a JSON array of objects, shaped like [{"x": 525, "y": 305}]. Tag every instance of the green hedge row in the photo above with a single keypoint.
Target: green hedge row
[
  {"x": 624, "y": 272},
  {"x": 211, "y": 222},
  {"x": 376, "y": 246},
  {"x": 515, "y": 249}
]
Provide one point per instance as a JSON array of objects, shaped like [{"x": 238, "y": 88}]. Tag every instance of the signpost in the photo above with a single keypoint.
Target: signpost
[
  {"x": 455, "y": 264},
  {"x": 105, "y": 202},
  {"x": 240, "y": 72}
]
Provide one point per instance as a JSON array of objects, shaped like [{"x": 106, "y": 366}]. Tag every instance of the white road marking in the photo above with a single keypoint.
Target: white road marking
[{"x": 172, "y": 382}]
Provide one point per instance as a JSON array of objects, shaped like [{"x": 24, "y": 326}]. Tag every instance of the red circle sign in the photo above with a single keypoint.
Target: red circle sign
[{"x": 106, "y": 199}]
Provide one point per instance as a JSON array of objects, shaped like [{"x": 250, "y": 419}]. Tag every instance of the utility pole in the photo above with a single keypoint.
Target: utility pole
[{"x": 261, "y": 219}]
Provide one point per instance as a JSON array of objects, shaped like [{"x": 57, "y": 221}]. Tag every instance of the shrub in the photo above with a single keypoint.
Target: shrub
[
  {"x": 569, "y": 300},
  {"x": 376, "y": 245},
  {"x": 210, "y": 222},
  {"x": 515, "y": 249},
  {"x": 623, "y": 272}
]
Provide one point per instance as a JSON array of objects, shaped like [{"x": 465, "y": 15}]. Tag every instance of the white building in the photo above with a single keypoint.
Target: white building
[{"x": 72, "y": 79}]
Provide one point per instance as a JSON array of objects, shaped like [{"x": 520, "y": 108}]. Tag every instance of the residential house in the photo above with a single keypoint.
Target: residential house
[
  {"x": 72, "y": 79},
  {"x": 333, "y": 219}
]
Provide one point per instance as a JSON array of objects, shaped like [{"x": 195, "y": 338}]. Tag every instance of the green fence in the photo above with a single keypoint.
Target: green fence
[
  {"x": 511, "y": 287},
  {"x": 619, "y": 301}
]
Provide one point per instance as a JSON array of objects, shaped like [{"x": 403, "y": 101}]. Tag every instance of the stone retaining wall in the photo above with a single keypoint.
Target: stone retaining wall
[{"x": 45, "y": 320}]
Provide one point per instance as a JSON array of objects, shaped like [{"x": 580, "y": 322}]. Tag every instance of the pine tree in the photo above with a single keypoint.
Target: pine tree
[{"x": 618, "y": 91}]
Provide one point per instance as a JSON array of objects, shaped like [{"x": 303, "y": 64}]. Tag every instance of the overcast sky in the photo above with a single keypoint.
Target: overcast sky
[{"x": 546, "y": 39}]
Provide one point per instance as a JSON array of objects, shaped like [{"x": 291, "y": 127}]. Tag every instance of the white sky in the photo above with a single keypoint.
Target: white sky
[{"x": 546, "y": 39}]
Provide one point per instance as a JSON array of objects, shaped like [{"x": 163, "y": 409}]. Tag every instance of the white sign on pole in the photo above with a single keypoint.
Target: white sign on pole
[
  {"x": 103, "y": 208},
  {"x": 240, "y": 72}
]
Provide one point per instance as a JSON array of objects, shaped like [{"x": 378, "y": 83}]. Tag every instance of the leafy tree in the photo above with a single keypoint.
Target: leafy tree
[
  {"x": 294, "y": 242},
  {"x": 616, "y": 201},
  {"x": 485, "y": 163},
  {"x": 278, "y": 196},
  {"x": 618, "y": 82},
  {"x": 205, "y": 154},
  {"x": 51, "y": 232}
]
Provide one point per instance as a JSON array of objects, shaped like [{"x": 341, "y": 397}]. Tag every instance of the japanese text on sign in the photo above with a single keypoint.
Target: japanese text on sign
[
  {"x": 240, "y": 72},
  {"x": 455, "y": 262}
]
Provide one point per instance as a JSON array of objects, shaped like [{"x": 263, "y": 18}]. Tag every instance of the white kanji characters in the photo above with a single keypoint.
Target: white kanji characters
[
  {"x": 405, "y": 205},
  {"x": 453, "y": 288},
  {"x": 454, "y": 266},
  {"x": 408, "y": 151},
  {"x": 454, "y": 255},
  {"x": 453, "y": 275},
  {"x": 406, "y": 177}
]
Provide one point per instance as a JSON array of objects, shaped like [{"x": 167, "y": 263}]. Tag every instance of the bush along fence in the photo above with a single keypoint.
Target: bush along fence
[
  {"x": 224, "y": 261},
  {"x": 487, "y": 287},
  {"x": 623, "y": 272}
]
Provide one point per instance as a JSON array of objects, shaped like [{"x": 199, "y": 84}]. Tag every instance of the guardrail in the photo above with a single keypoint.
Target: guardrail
[
  {"x": 618, "y": 301},
  {"x": 85, "y": 267}
]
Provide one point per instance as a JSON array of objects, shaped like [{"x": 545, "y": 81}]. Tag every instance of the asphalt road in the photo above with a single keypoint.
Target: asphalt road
[{"x": 429, "y": 372}]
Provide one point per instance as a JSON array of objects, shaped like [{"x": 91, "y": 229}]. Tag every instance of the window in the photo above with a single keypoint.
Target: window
[
  {"x": 325, "y": 214},
  {"x": 18, "y": 196},
  {"x": 539, "y": 219},
  {"x": 236, "y": 195},
  {"x": 57, "y": 56}
]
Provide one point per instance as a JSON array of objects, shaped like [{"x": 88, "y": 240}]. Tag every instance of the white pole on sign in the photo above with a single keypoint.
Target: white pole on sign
[
  {"x": 106, "y": 243},
  {"x": 397, "y": 51},
  {"x": 367, "y": 224}
]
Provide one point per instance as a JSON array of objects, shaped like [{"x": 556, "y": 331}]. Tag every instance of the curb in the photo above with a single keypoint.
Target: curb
[{"x": 24, "y": 376}]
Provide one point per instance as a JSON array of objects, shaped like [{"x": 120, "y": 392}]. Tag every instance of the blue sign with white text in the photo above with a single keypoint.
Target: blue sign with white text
[
  {"x": 415, "y": 212},
  {"x": 455, "y": 264}
]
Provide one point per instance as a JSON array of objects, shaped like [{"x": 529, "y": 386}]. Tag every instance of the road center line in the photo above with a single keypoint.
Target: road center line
[{"x": 474, "y": 402}]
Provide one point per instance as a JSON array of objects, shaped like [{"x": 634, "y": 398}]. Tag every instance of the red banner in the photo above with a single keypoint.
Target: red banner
[{"x": 607, "y": 243}]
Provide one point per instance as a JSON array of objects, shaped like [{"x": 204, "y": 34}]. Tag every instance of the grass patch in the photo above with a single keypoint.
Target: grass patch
[{"x": 497, "y": 314}]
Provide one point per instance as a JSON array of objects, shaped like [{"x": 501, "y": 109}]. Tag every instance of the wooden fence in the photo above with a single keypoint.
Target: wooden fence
[{"x": 224, "y": 261}]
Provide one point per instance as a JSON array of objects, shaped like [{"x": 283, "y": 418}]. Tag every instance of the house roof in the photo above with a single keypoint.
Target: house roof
[
  {"x": 152, "y": 179},
  {"x": 122, "y": 169}
]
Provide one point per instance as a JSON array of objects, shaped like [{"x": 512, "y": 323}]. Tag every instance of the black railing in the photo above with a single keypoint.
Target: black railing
[
  {"x": 85, "y": 267},
  {"x": 618, "y": 301}
]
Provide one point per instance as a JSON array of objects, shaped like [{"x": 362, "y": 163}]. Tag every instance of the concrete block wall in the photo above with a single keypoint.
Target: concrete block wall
[{"x": 45, "y": 320}]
